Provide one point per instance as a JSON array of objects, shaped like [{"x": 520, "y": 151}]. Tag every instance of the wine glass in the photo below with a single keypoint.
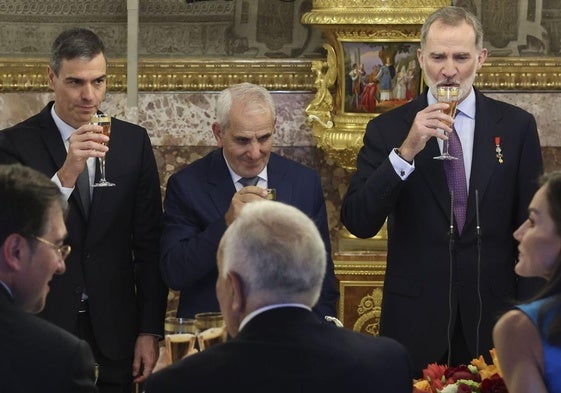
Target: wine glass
[
  {"x": 449, "y": 93},
  {"x": 104, "y": 121}
]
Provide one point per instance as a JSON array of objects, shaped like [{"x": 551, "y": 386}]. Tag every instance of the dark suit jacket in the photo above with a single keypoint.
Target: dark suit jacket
[
  {"x": 289, "y": 350},
  {"x": 40, "y": 357},
  {"x": 415, "y": 303},
  {"x": 115, "y": 252},
  {"x": 197, "y": 198}
]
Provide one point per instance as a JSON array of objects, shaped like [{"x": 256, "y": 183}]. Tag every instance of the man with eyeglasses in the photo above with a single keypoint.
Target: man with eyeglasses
[{"x": 36, "y": 355}]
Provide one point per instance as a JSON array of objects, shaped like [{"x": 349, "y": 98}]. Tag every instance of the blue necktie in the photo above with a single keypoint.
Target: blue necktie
[{"x": 249, "y": 181}]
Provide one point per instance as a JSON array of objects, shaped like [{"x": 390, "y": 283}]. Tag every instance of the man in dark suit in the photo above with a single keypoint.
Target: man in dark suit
[
  {"x": 451, "y": 285},
  {"x": 37, "y": 356},
  {"x": 112, "y": 295},
  {"x": 271, "y": 263},
  {"x": 203, "y": 199}
]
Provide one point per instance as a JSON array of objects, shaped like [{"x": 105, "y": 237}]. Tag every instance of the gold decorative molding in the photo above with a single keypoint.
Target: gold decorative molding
[
  {"x": 497, "y": 74},
  {"x": 17, "y": 75},
  {"x": 370, "y": 12},
  {"x": 378, "y": 4},
  {"x": 369, "y": 311}
]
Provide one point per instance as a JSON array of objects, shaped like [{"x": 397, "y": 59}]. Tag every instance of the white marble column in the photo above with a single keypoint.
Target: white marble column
[{"x": 132, "y": 61}]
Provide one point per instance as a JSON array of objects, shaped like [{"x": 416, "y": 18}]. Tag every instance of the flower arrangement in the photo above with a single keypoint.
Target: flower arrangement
[{"x": 477, "y": 377}]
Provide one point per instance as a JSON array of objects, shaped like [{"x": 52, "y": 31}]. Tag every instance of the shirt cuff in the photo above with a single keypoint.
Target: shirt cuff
[
  {"x": 401, "y": 167},
  {"x": 66, "y": 192}
]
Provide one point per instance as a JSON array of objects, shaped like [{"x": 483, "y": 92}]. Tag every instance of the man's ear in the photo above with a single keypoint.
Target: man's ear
[
  {"x": 14, "y": 249},
  {"x": 238, "y": 302},
  {"x": 217, "y": 132},
  {"x": 420, "y": 57},
  {"x": 51, "y": 74},
  {"x": 481, "y": 57}
]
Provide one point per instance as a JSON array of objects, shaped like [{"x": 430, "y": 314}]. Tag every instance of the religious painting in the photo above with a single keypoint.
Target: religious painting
[{"x": 380, "y": 76}]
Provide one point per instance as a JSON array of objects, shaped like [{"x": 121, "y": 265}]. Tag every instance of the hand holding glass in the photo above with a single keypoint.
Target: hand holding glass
[
  {"x": 449, "y": 93},
  {"x": 104, "y": 121}
]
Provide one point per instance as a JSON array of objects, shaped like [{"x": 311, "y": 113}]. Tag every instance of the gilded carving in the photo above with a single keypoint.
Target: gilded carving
[
  {"x": 320, "y": 108},
  {"x": 377, "y": 34},
  {"x": 378, "y": 4},
  {"x": 369, "y": 311},
  {"x": 514, "y": 74},
  {"x": 172, "y": 75}
]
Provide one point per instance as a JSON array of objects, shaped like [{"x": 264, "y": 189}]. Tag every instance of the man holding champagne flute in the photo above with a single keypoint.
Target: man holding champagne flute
[
  {"x": 450, "y": 221},
  {"x": 112, "y": 294}
]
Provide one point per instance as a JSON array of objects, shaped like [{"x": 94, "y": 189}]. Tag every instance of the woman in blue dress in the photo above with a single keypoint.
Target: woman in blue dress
[{"x": 528, "y": 338}]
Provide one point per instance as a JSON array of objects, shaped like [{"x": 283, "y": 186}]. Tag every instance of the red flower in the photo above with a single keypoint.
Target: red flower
[
  {"x": 434, "y": 371},
  {"x": 461, "y": 372},
  {"x": 463, "y": 388},
  {"x": 494, "y": 384}
]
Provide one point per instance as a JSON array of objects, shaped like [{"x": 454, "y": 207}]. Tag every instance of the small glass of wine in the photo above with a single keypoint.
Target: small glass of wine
[
  {"x": 104, "y": 121},
  {"x": 449, "y": 93}
]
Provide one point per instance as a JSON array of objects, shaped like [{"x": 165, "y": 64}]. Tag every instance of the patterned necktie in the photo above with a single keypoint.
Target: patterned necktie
[
  {"x": 456, "y": 176},
  {"x": 249, "y": 181}
]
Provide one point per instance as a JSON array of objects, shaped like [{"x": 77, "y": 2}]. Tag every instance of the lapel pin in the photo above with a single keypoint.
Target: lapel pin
[{"x": 498, "y": 149}]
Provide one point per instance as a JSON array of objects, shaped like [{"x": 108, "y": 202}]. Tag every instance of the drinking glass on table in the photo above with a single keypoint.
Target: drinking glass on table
[
  {"x": 179, "y": 345},
  {"x": 450, "y": 93},
  {"x": 104, "y": 121},
  {"x": 211, "y": 329}
]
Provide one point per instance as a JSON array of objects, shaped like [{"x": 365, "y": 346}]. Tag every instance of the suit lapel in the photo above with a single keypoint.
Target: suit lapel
[
  {"x": 220, "y": 182},
  {"x": 51, "y": 137},
  {"x": 276, "y": 173},
  {"x": 484, "y": 161},
  {"x": 55, "y": 146}
]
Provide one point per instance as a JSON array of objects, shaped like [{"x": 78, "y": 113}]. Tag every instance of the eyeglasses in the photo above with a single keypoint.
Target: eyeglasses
[{"x": 64, "y": 250}]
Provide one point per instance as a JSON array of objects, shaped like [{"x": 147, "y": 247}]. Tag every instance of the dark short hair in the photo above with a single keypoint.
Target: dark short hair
[
  {"x": 26, "y": 196},
  {"x": 75, "y": 43}
]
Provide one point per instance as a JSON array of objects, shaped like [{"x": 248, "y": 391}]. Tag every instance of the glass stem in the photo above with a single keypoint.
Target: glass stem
[
  {"x": 444, "y": 145},
  {"x": 102, "y": 167}
]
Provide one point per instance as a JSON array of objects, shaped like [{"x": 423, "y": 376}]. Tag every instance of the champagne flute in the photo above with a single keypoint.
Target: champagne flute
[
  {"x": 448, "y": 92},
  {"x": 104, "y": 121}
]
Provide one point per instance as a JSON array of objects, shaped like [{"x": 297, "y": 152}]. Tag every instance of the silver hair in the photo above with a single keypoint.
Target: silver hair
[
  {"x": 252, "y": 95},
  {"x": 278, "y": 252},
  {"x": 453, "y": 16}
]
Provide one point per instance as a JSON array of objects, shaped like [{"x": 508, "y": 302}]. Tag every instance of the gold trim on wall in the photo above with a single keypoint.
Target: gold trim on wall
[
  {"x": 497, "y": 74},
  {"x": 160, "y": 75}
]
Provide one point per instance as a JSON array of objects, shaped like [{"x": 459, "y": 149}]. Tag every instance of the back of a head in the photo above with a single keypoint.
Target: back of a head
[
  {"x": 250, "y": 94},
  {"x": 75, "y": 43},
  {"x": 25, "y": 199},
  {"x": 453, "y": 16},
  {"x": 277, "y": 251}
]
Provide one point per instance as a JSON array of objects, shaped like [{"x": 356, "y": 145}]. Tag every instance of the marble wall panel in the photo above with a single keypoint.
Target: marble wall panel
[{"x": 179, "y": 125}]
